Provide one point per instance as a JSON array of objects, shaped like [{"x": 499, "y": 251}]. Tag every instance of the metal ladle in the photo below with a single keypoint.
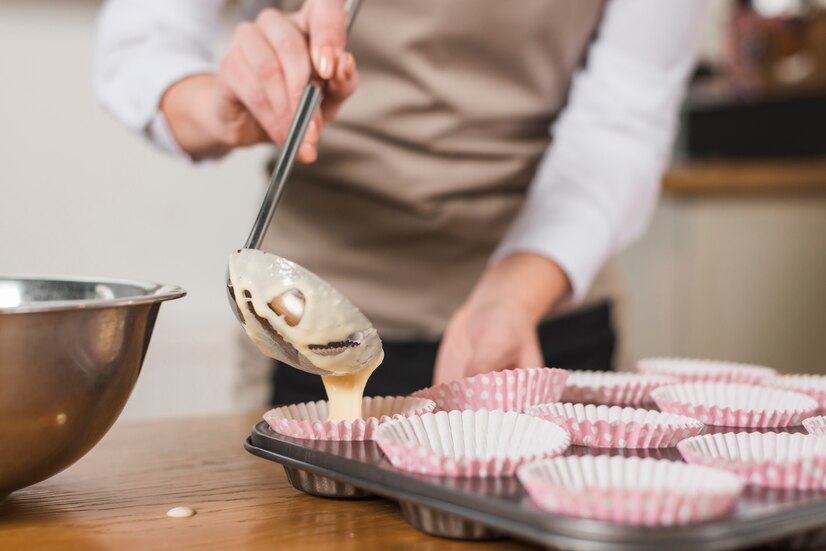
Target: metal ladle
[{"x": 291, "y": 304}]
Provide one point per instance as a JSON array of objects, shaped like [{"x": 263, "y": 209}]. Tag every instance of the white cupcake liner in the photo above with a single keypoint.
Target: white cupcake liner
[
  {"x": 617, "y": 427},
  {"x": 612, "y": 388},
  {"x": 688, "y": 369},
  {"x": 810, "y": 385},
  {"x": 735, "y": 405},
  {"x": 815, "y": 425},
  {"x": 469, "y": 443},
  {"x": 309, "y": 419},
  {"x": 630, "y": 490},
  {"x": 509, "y": 390},
  {"x": 769, "y": 459}
]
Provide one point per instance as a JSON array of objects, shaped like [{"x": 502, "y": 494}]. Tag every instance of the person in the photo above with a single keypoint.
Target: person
[{"x": 473, "y": 168}]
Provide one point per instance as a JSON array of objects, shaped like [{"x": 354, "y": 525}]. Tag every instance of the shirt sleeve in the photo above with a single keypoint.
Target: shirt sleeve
[
  {"x": 596, "y": 187},
  {"x": 145, "y": 46}
]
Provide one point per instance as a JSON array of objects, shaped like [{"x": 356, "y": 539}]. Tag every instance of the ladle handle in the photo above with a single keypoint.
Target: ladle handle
[{"x": 310, "y": 101}]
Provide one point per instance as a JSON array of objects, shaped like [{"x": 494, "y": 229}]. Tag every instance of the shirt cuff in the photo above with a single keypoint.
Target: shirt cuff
[
  {"x": 159, "y": 133},
  {"x": 169, "y": 71},
  {"x": 134, "y": 96}
]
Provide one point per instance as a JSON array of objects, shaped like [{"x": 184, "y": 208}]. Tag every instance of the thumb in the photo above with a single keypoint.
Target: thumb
[{"x": 325, "y": 22}]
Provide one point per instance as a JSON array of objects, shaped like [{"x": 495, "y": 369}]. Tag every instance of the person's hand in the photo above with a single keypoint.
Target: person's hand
[
  {"x": 253, "y": 96},
  {"x": 496, "y": 327},
  {"x": 489, "y": 333}
]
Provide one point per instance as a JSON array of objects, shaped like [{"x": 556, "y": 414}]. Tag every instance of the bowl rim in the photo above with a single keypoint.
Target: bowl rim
[{"x": 152, "y": 293}]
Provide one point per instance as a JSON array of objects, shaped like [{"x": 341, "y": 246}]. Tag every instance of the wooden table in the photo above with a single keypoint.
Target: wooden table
[{"x": 117, "y": 497}]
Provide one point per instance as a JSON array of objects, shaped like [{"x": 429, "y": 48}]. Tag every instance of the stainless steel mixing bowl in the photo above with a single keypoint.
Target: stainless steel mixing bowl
[{"x": 70, "y": 353}]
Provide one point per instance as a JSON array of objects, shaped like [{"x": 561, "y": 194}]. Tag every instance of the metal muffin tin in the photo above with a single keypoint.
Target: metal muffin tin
[
  {"x": 445, "y": 525},
  {"x": 319, "y": 485},
  {"x": 322, "y": 486},
  {"x": 477, "y": 508}
]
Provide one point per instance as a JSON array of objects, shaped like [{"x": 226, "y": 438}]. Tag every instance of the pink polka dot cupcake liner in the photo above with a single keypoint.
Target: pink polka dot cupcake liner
[
  {"x": 469, "y": 443},
  {"x": 815, "y": 425},
  {"x": 509, "y": 390},
  {"x": 767, "y": 459},
  {"x": 617, "y": 427},
  {"x": 630, "y": 490},
  {"x": 308, "y": 420},
  {"x": 735, "y": 405},
  {"x": 612, "y": 388},
  {"x": 687, "y": 370},
  {"x": 810, "y": 385}
]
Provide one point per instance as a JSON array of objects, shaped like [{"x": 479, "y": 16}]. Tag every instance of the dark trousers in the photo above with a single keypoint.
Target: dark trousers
[{"x": 581, "y": 340}]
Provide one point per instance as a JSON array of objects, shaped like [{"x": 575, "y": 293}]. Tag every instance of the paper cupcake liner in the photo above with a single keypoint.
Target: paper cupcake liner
[
  {"x": 810, "y": 385},
  {"x": 612, "y": 388},
  {"x": 687, "y": 370},
  {"x": 769, "y": 459},
  {"x": 630, "y": 490},
  {"x": 815, "y": 425},
  {"x": 309, "y": 419},
  {"x": 469, "y": 443},
  {"x": 735, "y": 405},
  {"x": 618, "y": 427},
  {"x": 510, "y": 390}
]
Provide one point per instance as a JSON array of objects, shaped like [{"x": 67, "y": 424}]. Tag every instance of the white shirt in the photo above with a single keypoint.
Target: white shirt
[{"x": 622, "y": 109}]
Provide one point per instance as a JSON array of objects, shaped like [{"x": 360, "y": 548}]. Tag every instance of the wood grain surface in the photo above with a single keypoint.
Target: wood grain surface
[
  {"x": 736, "y": 177},
  {"x": 117, "y": 498}
]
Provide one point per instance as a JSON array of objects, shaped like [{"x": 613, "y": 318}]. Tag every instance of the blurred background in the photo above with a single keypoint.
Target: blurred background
[{"x": 733, "y": 265}]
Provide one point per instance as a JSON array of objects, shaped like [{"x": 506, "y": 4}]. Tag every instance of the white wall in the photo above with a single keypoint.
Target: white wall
[{"x": 81, "y": 195}]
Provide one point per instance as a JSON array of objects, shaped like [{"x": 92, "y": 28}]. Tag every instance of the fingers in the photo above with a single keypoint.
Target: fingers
[
  {"x": 345, "y": 73},
  {"x": 253, "y": 72},
  {"x": 264, "y": 73},
  {"x": 338, "y": 90},
  {"x": 325, "y": 23},
  {"x": 290, "y": 47},
  {"x": 309, "y": 146},
  {"x": 340, "y": 87}
]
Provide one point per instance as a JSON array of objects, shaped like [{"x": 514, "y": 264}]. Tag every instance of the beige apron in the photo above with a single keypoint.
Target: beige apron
[{"x": 428, "y": 163}]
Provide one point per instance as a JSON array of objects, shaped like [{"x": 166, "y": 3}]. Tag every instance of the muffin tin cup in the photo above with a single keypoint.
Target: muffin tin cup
[
  {"x": 630, "y": 490},
  {"x": 735, "y": 405},
  {"x": 323, "y": 486},
  {"x": 772, "y": 460},
  {"x": 617, "y": 427},
  {"x": 509, "y": 390},
  {"x": 612, "y": 388},
  {"x": 445, "y": 525},
  {"x": 469, "y": 443},
  {"x": 690, "y": 370},
  {"x": 810, "y": 385},
  {"x": 308, "y": 420}
]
